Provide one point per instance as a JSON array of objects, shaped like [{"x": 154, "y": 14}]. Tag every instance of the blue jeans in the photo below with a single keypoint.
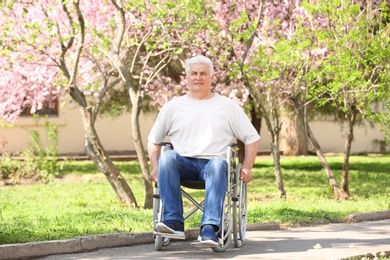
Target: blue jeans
[{"x": 174, "y": 167}]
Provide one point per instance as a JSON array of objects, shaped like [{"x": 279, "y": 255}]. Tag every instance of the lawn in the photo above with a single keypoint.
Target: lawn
[{"x": 81, "y": 202}]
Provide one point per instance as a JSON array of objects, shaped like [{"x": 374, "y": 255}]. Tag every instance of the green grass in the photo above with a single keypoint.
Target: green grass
[{"x": 81, "y": 202}]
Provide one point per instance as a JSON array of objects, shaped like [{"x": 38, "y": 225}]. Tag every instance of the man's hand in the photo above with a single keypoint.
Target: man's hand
[
  {"x": 249, "y": 160},
  {"x": 154, "y": 151},
  {"x": 246, "y": 175},
  {"x": 154, "y": 175}
]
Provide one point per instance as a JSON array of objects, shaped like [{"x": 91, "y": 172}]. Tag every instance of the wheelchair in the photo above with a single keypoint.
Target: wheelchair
[{"x": 234, "y": 215}]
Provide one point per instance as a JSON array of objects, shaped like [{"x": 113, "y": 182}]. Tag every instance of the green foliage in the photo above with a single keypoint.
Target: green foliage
[
  {"x": 81, "y": 202},
  {"x": 161, "y": 31},
  {"x": 336, "y": 57},
  {"x": 38, "y": 163},
  {"x": 43, "y": 161},
  {"x": 382, "y": 118},
  {"x": 353, "y": 71},
  {"x": 8, "y": 168}
]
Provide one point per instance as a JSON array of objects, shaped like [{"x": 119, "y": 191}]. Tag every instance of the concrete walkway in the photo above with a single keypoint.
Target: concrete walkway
[
  {"x": 263, "y": 241},
  {"x": 334, "y": 241}
]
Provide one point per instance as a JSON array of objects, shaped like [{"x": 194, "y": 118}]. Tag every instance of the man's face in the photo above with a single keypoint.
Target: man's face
[{"x": 199, "y": 77}]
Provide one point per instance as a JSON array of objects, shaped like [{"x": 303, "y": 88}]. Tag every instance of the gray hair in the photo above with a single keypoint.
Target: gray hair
[{"x": 199, "y": 60}]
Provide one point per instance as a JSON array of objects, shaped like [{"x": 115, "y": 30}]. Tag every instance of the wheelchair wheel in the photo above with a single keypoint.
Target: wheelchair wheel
[
  {"x": 226, "y": 242},
  {"x": 239, "y": 209},
  {"x": 225, "y": 234},
  {"x": 243, "y": 210},
  {"x": 158, "y": 243}
]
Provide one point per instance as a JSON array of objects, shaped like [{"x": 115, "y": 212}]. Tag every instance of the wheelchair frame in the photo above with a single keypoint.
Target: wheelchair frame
[{"x": 234, "y": 215}]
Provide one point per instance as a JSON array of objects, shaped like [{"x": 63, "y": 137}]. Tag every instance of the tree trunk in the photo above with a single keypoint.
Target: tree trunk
[
  {"x": 93, "y": 146},
  {"x": 274, "y": 143},
  {"x": 136, "y": 102},
  {"x": 99, "y": 156},
  {"x": 351, "y": 118},
  {"x": 278, "y": 171},
  {"x": 338, "y": 193},
  {"x": 293, "y": 137},
  {"x": 274, "y": 133},
  {"x": 256, "y": 122},
  {"x": 274, "y": 137},
  {"x": 141, "y": 154}
]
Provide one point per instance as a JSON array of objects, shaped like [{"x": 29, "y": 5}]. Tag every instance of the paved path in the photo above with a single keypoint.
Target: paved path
[{"x": 332, "y": 241}]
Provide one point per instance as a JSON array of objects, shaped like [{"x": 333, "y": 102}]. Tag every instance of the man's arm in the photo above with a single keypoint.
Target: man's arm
[
  {"x": 249, "y": 160},
  {"x": 154, "y": 151}
]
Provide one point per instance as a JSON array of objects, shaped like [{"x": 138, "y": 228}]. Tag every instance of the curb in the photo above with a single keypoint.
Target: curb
[
  {"x": 91, "y": 243},
  {"x": 75, "y": 245},
  {"x": 378, "y": 215}
]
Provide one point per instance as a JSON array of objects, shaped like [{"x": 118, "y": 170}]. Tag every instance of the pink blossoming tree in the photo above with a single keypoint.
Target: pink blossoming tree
[{"x": 86, "y": 49}]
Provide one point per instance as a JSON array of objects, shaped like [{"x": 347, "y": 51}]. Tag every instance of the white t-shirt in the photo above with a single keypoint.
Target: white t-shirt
[{"x": 202, "y": 128}]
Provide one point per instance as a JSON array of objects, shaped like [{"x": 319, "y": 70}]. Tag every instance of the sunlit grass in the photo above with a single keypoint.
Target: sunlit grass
[
  {"x": 309, "y": 198},
  {"x": 82, "y": 202}
]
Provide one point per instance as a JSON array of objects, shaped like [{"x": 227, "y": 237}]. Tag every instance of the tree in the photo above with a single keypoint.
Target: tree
[
  {"x": 248, "y": 30},
  {"x": 354, "y": 73},
  {"x": 289, "y": 61},
  {"x": 231, "y": 40},
  {"x": 280, "y": 61},
  {"x": 52, "y": 42},
  {"x": 296, "y": 62},
  {"x": 275, "y": 53},
  {"x": 227, "y": 40},
  {"x": 86, "y": 49}
]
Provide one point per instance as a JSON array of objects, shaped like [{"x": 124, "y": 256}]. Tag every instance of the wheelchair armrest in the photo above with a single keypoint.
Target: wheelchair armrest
[{"x": 168, "y": 145}]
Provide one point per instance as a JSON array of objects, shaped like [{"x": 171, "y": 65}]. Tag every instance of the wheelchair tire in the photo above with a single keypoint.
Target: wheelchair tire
[{"x": 158, "y": 243}]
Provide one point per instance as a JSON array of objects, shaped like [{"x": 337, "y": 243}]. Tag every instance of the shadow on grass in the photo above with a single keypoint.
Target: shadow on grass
[
  {"x": 304, "y": 217},
  {"x": 78, "y": 167},
  {"x": 378, "y": 164},
  {"x": 293, "y": 216},
  {"x": 376, "y": 167},
  {"x": 88, "y": 167}
]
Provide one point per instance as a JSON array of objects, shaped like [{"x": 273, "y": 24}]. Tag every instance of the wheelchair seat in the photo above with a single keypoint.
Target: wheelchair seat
[
  {"x": 196, "y": 185},
  {"x": 234, "y": 214}
]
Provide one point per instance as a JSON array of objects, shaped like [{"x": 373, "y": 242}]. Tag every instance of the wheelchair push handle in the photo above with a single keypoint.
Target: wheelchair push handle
[{"x": 234, "y": 147}]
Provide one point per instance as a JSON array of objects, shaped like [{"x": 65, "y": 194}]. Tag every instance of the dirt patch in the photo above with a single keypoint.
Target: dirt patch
[
  {"x": 14, "y": 181},
  {"x": 71, "y": 178},
  {"x": 63, "y": 179}
]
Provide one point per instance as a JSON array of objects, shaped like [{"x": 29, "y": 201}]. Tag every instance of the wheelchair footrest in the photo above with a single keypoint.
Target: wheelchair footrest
[
  {"x": 174, "y": 236},
  {"x": 200, "y": 244},
  {"x": 204, "y": 244}
]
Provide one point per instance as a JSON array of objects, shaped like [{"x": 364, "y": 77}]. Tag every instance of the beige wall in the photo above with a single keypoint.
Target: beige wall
[
  {"x": 331, "y": 137},
  {"x": 116, "y": 134}
]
